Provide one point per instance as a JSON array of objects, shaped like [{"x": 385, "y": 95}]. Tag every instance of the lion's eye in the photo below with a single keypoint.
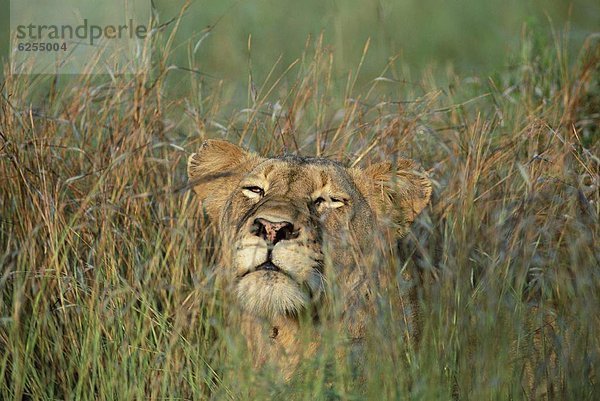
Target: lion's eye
[
  {"x": 330, "y": 203},
  {"x": 335, "y": 203},
  {"x": 253, "y": 191}
]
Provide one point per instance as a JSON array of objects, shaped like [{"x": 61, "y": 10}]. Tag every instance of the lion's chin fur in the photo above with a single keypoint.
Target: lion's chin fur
[{"x": 270, "y": 294}]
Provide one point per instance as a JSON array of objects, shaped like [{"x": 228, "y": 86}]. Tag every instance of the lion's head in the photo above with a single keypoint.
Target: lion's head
[{"x": 279, "y": 219}]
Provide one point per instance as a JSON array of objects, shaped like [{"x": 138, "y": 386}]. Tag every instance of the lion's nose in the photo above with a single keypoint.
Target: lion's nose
[{"x": 273, "y": 232}]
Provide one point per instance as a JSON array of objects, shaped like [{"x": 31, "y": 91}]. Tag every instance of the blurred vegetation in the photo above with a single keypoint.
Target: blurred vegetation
[{"x": 472, "y": 36}]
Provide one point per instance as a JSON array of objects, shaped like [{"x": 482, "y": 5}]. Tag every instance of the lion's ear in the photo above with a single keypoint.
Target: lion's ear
[
  {"x": 215, "y": 170},
  {"x": 400, "y": 191}
]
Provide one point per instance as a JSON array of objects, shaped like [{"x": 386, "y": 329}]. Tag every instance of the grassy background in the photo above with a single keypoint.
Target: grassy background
[
  {"x": 105, "y": 279},
  {"x": 472, "y": 36}
]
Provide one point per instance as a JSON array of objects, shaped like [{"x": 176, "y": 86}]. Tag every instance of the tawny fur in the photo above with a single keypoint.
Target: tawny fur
[{"x": 334, "y": 213}]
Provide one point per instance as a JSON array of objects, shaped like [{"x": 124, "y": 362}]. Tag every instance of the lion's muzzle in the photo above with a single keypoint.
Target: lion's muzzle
[
  {"x": 278, "y": 262},
  {"x": 273, "y": 231}
]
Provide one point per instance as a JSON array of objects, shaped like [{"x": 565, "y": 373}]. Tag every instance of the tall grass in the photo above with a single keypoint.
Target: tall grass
[{"x": 106, "y": 279}]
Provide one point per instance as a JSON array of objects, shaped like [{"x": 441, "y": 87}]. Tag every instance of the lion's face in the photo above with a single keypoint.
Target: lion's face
[{"x": 279, "y": 218}]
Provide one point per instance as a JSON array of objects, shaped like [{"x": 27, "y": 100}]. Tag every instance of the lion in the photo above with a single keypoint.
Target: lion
[{"x": 296, "y": 231}]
